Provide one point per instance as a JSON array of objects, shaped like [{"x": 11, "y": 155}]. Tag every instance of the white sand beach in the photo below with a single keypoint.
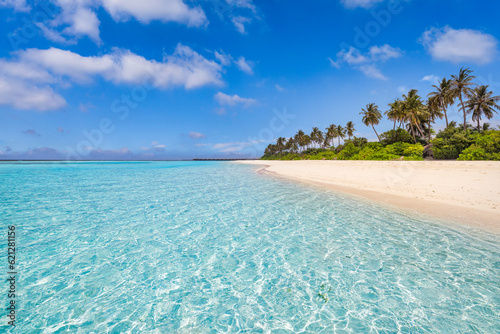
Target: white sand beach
[{"x": 456, "y": 191}]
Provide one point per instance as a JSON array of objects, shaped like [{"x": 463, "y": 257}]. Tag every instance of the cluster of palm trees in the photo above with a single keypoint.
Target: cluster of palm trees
[
  {"x": 316, "y": 139},
  {"x": 418, "y": 115},
  {"x": 410, "y": 112}
]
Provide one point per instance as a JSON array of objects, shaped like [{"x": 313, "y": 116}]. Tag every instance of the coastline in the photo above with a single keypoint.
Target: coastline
[{"x": 458, "y": 192}]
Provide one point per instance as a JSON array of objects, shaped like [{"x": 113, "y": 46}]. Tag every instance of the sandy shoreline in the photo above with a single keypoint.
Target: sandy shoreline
[{"x": 456, "y": 191}]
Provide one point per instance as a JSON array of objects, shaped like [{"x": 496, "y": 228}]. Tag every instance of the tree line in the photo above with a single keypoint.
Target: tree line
[{"x": 411, "y": 112}]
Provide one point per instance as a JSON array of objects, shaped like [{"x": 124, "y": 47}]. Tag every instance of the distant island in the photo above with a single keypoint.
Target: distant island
[{"x": 412, "y": 136}]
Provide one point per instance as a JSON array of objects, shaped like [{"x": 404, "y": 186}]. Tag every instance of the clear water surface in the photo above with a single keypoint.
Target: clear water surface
[{"x": 199, "y": 247}]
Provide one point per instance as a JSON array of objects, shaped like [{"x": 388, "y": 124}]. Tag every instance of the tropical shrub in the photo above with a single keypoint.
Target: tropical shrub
[
  {"x": 414, "y": 150},
  {"x": 368, "y": 150},
  {"x": 396, "y": 136},
  {"x": 327, "y": 155},
  {"x": 339, "y": 148},
  {"x": 473, "y": 153},
  {"x": 405, "y": 149},
  {"x": 485, "y": 147},
  {"x": 444, "y": 147},
  {"x": 348, "y": 152},
  {"x": 382, "y": 155},
  {"x": 357, "y": 141}
]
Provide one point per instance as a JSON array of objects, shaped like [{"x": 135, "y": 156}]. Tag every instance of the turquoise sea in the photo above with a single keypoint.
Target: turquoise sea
[{"x": 214, "y": 247}]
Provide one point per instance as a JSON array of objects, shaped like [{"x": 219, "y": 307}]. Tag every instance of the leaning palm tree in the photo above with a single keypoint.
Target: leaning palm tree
[
  {"x": 371, "y": 116},
  {"x": 442, "y": 97},
  {"x": 350, "y": 129},
  {"x": 340, "y": 132},
  {"x": 461, "y": 85},
  {"x": 482, "y": 103}
]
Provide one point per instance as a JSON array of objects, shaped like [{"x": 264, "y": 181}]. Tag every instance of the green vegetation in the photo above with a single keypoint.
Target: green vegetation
[{"x": 412, "y": 135}]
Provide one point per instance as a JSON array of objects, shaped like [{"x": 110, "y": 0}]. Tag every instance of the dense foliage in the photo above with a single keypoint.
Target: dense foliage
[
  {"x": 486, "y": 147},
  {"x": 356, "y": 149}
]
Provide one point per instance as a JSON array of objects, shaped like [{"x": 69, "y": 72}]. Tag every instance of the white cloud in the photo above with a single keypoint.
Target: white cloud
[
  {"x": 359, "y": 3},
  {"x": 351, "y": 57},
  {"x": 184, "y": 68},
  {"x": 26, "y": 96},
  {"x": 367, "y": 63},
  {"x": 25, "y": 71},
  {"x": 372, "y": 71},
  {"x": 18, "y": 5},
  {"x": 460, "y": 45},
  {"x": 231, "y": 101},
  {"x": 384, "y": 52},
  {"x": 77, "y": 19},
  {"x": 244, "y": 65},
  {"x": 146, "y": 11},
  {"x": 223, "y": 58},
  {"x": 159, "y": 148},
  {"x": 279, "y": 88},
  {"x": 239, "y": 23},
  {"x": 236, "y": 146},
  {"x": 26, "y": 81},
  {"x": 84, "y": 22},
  {"x": 430, "y": 78},
  {"x": 196, "y": 135},
  {"x": 334, "y": 63},
  {"x": 242, "y": 4},
  {"x": 403, "y": 89}
]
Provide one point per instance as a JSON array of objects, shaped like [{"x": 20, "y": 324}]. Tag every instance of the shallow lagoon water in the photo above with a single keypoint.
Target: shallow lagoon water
[{"x": 202, "y": 247}]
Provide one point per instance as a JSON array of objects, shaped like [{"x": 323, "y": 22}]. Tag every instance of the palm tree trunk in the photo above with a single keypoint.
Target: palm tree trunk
[
  {"x": 376, "y": 133},
  {"x": 394, "y": 128},
  {"x": 420, "y": 130},
  {"x": 445, "y": 117},
  {"x": 463, "y": 109},
  {"x": 413, "y": 132},
  {"x": 478, "y": 126}
]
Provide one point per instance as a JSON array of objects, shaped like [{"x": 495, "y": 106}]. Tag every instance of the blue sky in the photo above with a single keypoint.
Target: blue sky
[{"x": 181, "y": 79}]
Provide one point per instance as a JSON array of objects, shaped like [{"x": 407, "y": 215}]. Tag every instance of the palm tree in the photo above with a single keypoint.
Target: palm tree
[
  {"x": 462, "y": 85},
  {"x": 280, "y": 144},
  {"x": 320, "y": 139},
  {"x": 442, "y": 97},
  {"x": 416, "y": 112},
  {"x": 482, "y": 103},
  {"x": 371, "y": 116},
  {"x": 316, "y": 136},
  {"x": 350, "y": 129},
  {"x": 299, "y": 139},
  {"x": 432, "y": 113},
  {"x": 331, "y": 133},
  {"x": 340, "y": 132},
  {"x": 307, "y": 141},
  {"x": 396, "y": 113},
  {"x": 326, "y": 142},
  {"x": 291, "y": 145}
]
